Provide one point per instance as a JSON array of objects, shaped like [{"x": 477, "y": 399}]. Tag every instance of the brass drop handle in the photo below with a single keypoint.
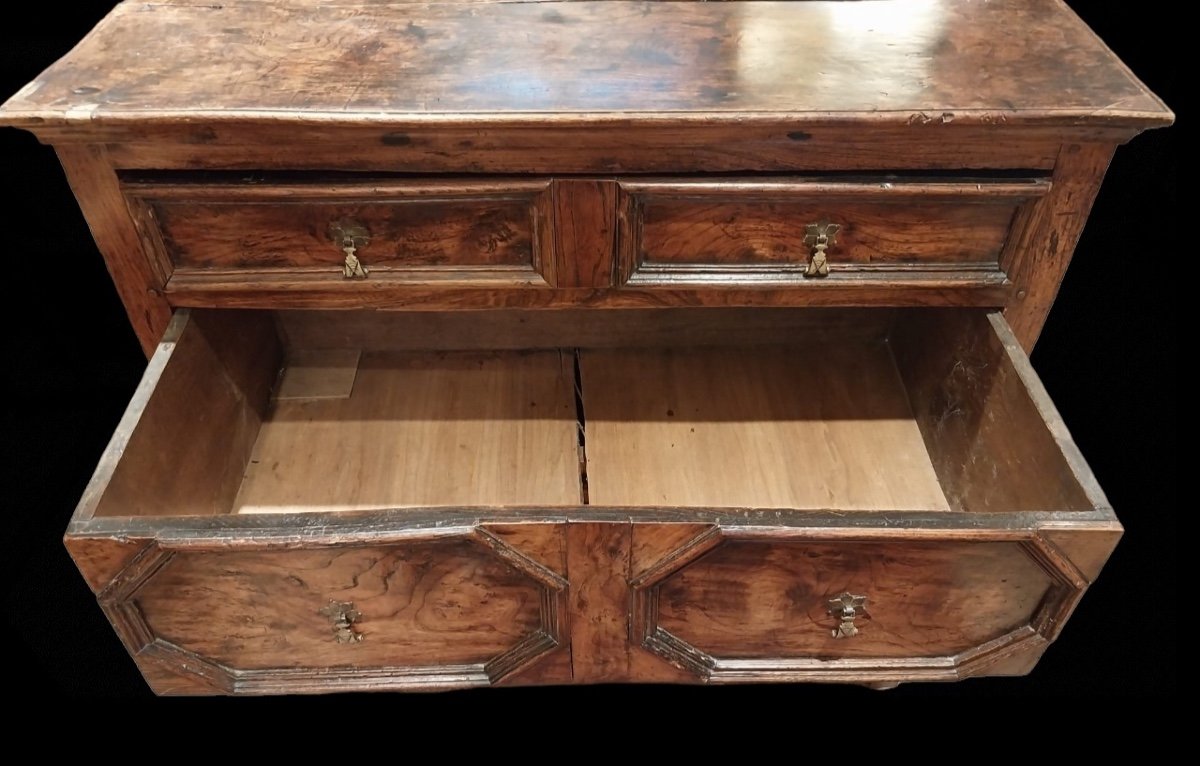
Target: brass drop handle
[
  {"x": 350, "y": 235},
  {"x": 845, "y": 607},
  {"x": 343, "y": 615},
  {"x": 820, "y": 237}
]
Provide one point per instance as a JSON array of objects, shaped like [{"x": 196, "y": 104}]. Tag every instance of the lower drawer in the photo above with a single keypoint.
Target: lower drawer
[{"x": 308, "y": 502}]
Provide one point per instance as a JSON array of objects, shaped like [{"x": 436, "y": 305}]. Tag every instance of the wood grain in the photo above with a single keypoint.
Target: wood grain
[
  {"x": 772, "y": 290},
  {"x": 667, "y": 143},
  {"x": 735, "y": 223},
  {"x": 422, "y": 604},
  {"x": 598, "y": 560},
  {"x": 585, "y": 232},
  {"x": 991, "y": 445},
  {"x": 1040, "y": 255},
  {"x": 463, "y": 228},
  {"x": 320, "y": 373},
  {"x": 197, "y": 418},
  {"x": 101, "y": 559},
  {"x": 767, "y": 427},
  {"x": 566, "y": 328},
  {"x": 1087, "y": 549},
  {"x": 473, "y": 429},
  {"x": 544, "y": 543},
  {"x": 755, "y": 600},
  {"x": 139, "y": 284},
  {"x": 909, "y": 61}
]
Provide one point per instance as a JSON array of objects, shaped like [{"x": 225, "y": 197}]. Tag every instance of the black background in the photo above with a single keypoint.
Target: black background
[{"x": 1107, "y": 357}]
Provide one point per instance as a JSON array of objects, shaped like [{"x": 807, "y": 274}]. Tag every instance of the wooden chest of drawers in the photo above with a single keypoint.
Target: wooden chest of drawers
[{"x": 547, "y": 343}]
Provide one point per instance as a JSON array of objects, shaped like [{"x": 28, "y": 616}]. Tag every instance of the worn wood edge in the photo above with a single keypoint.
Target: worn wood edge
[
  {"x": 530, "y": 291},
  {"x": 518, "y": 560},
  {"x": 284, "y": 530},
  {"x": 1164, "y": 115},
  {"x": 330, "y": 680},
  {"x": 1088, "y": 549},
  {"x": 1044, "y": 245},
  {"x": 554, "y": 609},
  {"x": 1019, "y": 660},
  {"x": 138, "y": 279},
  {"x": 676, "y": 559},
  {"x": 874, "y": 670},
  {"x": 170, "y": 670},
  {"x": 13, "y": 114},
  {"x": 100, "y": 559},
  {"x": 1050, "y": 416},
  {"x": 365, "y": 188},
  {"x": 983, "y": 191},
  {"x": 1067, "y": 588},
  {"x": 111, "y": 457}
]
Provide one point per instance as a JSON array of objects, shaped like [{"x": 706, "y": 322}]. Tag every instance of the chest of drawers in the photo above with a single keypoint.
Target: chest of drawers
[{"x": 580, "y": 342}]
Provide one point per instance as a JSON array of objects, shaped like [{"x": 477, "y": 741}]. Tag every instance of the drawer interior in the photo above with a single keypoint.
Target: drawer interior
[{"x": 789, "y": 409}]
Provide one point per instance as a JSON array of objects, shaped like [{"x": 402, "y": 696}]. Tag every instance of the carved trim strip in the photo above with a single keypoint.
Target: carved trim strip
[{"x": 140, "y": 569}]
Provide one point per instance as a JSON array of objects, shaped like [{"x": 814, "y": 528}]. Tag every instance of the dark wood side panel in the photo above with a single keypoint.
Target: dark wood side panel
[
  {"x": 994, "y": 445},
  {"x": 138, "y": 282},
  {"x": 924, "y": 599},
  {"x": 1039, "y": 257},
  {"x": 184, "y": 442}
]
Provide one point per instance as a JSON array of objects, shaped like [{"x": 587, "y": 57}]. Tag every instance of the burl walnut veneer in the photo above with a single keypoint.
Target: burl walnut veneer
[{"x": 577, "y": 342}]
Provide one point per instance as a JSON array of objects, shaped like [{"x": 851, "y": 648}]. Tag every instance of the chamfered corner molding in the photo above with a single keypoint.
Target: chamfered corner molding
[
  {"x": 846, "y": 612},
  {"x": 190, "y": 673}
]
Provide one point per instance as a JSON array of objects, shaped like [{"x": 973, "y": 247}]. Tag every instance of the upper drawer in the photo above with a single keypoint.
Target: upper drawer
[
  {"x": 786, "y": 230},
  {"x": 491, "y": 233}
]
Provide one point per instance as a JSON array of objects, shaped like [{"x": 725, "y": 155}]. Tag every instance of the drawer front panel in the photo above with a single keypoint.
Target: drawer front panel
[
  {"x": 454, "y": 609},
  {"x": 770, "y": 231},
  {"x": 492, "y": 232},
  {"x": 736, "y": 605},
  {"x": 746, "y": 600}
]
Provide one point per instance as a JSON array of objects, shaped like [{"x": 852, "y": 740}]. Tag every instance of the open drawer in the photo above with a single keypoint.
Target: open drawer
[{"x": 316, "y": 501}]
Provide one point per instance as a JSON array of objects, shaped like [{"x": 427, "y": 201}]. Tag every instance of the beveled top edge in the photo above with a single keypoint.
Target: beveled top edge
[{"x": 877, "y": 62}]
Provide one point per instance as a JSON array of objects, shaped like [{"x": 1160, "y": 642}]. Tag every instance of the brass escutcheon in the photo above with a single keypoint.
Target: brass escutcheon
[
  {"x": 820, "y": 237},
  {"x": 343, "y": 615},
  {"x": 845, "y": 607},
  {"x": 350, "y": 235}
]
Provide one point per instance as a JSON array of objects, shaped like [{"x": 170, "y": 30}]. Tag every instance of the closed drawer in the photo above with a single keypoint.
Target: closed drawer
[
  {"x": 760, "y": 606},
  {"x": 453, "y": 609},
  {"x": 739, "y": 231},
  {"x": 307, "y": 501},
  {"x": 462, "y": 233}
]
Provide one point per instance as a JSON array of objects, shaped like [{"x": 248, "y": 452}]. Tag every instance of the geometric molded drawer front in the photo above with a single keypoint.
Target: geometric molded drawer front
[
  {"x": 765, "y": 230},
  {"x": 418, "y": 603},
  {"x": 761, "y": 609},
  {"x": 469, "y": 231},
  {"x": 922, "y": 599},
  {"x": 462, "y": 610}
]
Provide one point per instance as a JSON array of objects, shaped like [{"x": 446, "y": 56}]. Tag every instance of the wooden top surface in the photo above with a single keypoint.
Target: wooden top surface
[{"x": 364, "y": 61}]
